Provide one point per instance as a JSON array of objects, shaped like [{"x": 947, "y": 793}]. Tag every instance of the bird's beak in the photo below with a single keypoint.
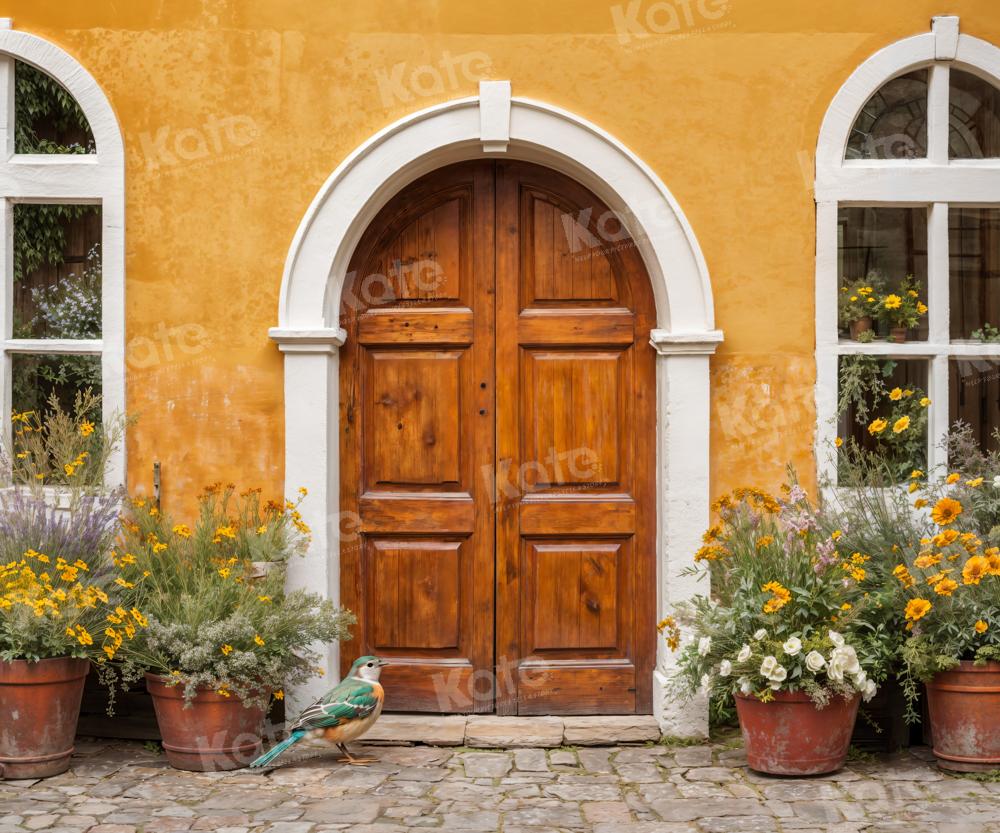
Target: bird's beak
[{"x": 382, "y": 662}]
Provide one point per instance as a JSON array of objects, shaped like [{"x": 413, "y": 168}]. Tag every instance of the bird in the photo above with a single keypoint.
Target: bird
[{"x": 343, "y": 714}]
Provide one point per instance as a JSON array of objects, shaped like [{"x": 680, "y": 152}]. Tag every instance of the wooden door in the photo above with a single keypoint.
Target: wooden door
[{"x": 497, "y": 447}]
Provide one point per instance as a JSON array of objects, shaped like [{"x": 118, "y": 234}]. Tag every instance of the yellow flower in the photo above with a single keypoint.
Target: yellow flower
[
  {"x": 779, "y": 597},
  {"x": 226, "y": 650},
  {"x": 981, "y": 626},
  {"x": 223, "y": 692},
  {"x": 945, "y": 511},
  {"x": 974, "y": 570},
  {"x": 903, "y": 575},
  {"x": 140, "y": 620},
  {"x": 258, "y": 640},
  {"x": 279, "y": 695},
  {"x": 921, "y": 307},
  {"x": 915, "y": 474},
  {"x": 86, "y": 428},
  {"x": 954, "y": 477},
  {"x": 838, "y": 442},
  {"x": 892, "y": 302},
  {"x": 974, "y": 484},
  {"x": 877, "y": 426},
  {"x": 264, "y": 599},
  {"x": 183, "y": 530},
  {"x": 907, "y": 392},
  {"x": 924, "y": 402},
  {"x": 927, "y": 560},
  {"x": 913, "y": 487},
  {"x": 835, "y": 535},
  {"x": 69, "y": 468},
  {"x": 303, "y": 491},
  {"x": 224, "y": 572},
  {"x": 122, "y": 583},
  {"x": 225, "y": 532},
  {"x": 917, "y": 609},
  {"x": 946, "y": 587},
  {"x": 896, "y": 394},
  {"x": 846, "y": 606},
  {"x": 901, "y": 425}
]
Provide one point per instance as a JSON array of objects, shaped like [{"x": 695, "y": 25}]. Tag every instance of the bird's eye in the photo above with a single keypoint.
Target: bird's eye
[{"x": 369, "y": 665}]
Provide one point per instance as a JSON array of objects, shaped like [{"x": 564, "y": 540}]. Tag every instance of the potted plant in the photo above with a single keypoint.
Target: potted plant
[
  {"x": 780, "y": 632},
  {"x": 56, "y": 591},
  {"x": 949, "y": 593},
  {"x": 902, "y": 309},
  {"x": 857, "y": 305},
  {"x": 222, "y": 639}
]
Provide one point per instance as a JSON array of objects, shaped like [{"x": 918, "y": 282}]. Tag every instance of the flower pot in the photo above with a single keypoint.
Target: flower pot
[
  {"x": 862, "y": 325},
  {"x": 897, "y": 334},
  {"x": 39, "y": 709},
  {"x": 214, "y": 733},
  {"x": 964, "y": 708},
  {"x": 790, "y": 736}
]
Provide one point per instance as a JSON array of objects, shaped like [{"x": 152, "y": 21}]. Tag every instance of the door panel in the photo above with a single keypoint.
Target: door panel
[
  {"x": 497, "y": 458},
  {"x": 417, "y": 431},
  {"x": 575, "y": 420}
]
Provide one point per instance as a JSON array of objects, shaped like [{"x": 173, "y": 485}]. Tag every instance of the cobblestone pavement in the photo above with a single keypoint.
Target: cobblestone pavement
[{"x": 126, "y": 788}]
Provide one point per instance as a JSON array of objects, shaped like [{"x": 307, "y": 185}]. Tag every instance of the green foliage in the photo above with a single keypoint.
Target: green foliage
[
  {"x": 860, "y": 299},
  {"x": 988, "y": 334},
  {"x": 43, "y": 105},
  {"x": 215, "y": 620},
  {"x": 902, "y": 308}
]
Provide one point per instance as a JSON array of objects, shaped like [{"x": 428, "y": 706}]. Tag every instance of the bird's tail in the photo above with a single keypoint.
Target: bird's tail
[{"x": 276, "y": 750}]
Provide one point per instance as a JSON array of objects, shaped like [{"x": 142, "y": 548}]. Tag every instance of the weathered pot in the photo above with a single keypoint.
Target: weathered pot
[
  {"x": 862, "y": 325},
  {"x": 897, "y": 334},
  {"x": 964, "y": 708},
  {"x": 39, "y": 709},
  {"x": 790, "y": 736},
  {"x": 214, "y": 733}
]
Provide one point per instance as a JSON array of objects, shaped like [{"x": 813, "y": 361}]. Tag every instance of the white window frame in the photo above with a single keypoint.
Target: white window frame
[
  {"x": 932, "y": 183},
  {"x": 97, "y": 178}
]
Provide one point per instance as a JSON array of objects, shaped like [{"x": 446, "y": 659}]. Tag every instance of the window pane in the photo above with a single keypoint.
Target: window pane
[
  {"x": 974, "y": 254},
  {"x": 873, "y": 389},
  {"x": 47, "y": 118},
  {"x": 36, "y": 378},
  {"x": 893, "y": 122},
  {"x": 881, "y": 248},
  {"x": 57, "y": 271},
  {"x": 974, "y": 398},
  {"x": 974, "y": 117}
]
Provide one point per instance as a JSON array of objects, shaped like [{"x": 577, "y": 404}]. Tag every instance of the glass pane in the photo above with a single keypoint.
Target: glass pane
[
  {"x": 36, "y": 378},
  {"x": 893, "y": 122},
  {"x": 974, "y": 117},
  {"x": 882, "y": 406},
  {"x": 47, "y": 118},
  {"x": 883, "y": 253},
  {"x": 974, "y": 255},
  {"x": 57, "y": 271},
  {"x": 974, "y": 398}
]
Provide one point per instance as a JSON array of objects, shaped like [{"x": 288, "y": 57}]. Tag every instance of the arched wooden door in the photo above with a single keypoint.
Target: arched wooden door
[{"x": 498, "y": 448}]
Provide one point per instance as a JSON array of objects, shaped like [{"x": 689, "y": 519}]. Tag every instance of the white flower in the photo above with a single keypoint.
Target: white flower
[
  {"x": 996, "y": 482},
  {"x": 775, "y": 686},
  {"x": 725, "y": 668},
  {"x": 744, "y": 654},
  {"x": 705, "y": 682},
  {"x": 815, "y": 661},
  {"x": 778, "y": 675},
  {"x": 869, "y": 690},
  {"x": 834, "y": 670},
  {"x": 768, "y": 665},
  {"x": 704, "y": 645},
  {"x": 836, "y": 639},
  {"x": 759, "y": 635},
  {"x": 745, "y": 687},
  {"x": 860, "y": 680},
  {"x": 847, "y": 659},
  {"x": 792, "y": 646}
]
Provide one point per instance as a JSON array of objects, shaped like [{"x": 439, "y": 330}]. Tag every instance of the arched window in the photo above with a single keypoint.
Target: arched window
[
  {"x": 62, "y": 219},
  {"x": 908, "y": 225}
]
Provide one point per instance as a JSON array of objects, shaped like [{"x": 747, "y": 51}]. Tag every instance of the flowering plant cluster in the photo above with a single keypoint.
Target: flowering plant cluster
[
  {"x": 216, "y": 622},
  {"x": 57, "y": 598},
  {"x": 860, "y": 299},
  {"x": 902, "y": 308},
  {"x": 785, "y": 609},
  {"x": 869, "y": 297}
]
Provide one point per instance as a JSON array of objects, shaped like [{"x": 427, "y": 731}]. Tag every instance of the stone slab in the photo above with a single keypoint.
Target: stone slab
[
  {"x": 513, "y": 732},
  {"x": 434, "y": 730},
  {"x": 610, "y": 730}
]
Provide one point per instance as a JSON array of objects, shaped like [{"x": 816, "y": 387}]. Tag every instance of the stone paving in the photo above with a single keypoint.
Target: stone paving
[{"x": 119, "y": 787}]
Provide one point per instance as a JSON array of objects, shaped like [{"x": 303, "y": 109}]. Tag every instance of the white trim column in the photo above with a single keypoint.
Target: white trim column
[
  {"x": 312, "y": 383},
  {"x": 683, "y": 429}
]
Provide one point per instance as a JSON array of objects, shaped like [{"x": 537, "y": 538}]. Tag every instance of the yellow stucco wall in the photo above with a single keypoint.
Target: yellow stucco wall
[{"x": 235, "y": 112}]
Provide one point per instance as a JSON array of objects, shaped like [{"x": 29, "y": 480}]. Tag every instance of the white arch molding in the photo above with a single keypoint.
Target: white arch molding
[
  {"x": 91, "y": 178},
  {"x": 493, "y": 124}
]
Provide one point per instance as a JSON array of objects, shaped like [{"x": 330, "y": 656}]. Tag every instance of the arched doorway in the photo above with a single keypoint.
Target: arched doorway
[
  {"x": 495, "y": 125},
  {"x": 497, "y": 444}
]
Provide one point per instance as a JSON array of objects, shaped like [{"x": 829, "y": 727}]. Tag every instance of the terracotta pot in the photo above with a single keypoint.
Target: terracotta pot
[
  {"x": 214, "y": 733},
  {"x": 39, "y": 709},
  {"x": 897, "y": 334},
  {"x": 964, "y": 708},
  {"x": 790, "y": 736},
  {"x": 862, "y": 325}
]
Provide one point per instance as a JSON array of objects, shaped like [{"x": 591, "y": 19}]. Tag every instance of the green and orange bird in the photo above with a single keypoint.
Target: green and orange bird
[{"x": 341, "y": 715}]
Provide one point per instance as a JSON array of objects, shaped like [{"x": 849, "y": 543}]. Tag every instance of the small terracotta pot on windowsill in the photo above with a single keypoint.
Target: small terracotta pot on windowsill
[
  {"x": 897, "y": 335},
  {"x": 862, "y": 325}
]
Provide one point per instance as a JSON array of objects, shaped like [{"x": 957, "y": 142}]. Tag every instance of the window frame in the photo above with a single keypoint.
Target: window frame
[
  {"x": 94, "y": 179},
  {"x": 935, "y": 183}
]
